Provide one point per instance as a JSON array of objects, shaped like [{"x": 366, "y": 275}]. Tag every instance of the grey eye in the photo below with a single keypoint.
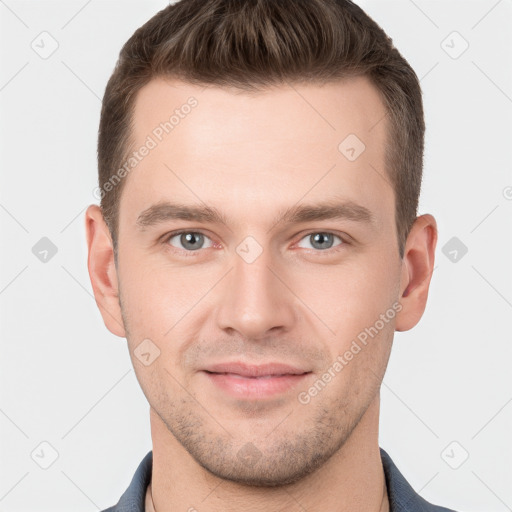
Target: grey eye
[
  {"x": 320, "y": 240},
  {"x": 190, "y": 240}
]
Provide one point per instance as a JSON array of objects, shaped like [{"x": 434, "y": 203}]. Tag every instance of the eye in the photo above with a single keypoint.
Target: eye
[
  {"x": 321, "y": 240},
  {"x": 189, "y": 240},
  {"x": 193, "y": 241}
]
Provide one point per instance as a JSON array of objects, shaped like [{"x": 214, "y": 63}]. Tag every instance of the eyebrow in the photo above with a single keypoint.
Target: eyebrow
[{"x": 165, "y": 211}]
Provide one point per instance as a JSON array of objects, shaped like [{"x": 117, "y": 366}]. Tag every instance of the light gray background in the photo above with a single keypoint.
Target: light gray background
[{"x": 67, "y": 381}]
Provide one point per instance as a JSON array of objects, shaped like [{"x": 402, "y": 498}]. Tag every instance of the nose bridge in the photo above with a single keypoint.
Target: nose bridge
[
  {"x": 252, "y": 272},
  {"x": 254, "y": 300}
]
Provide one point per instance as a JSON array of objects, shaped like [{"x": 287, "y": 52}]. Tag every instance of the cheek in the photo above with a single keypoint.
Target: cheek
[
  {"x": 159, "y": 304},
  {"x": 154, "y": 297},
  {"x": 348, "y": 297}
]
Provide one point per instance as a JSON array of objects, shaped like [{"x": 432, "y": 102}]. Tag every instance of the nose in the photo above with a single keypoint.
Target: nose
[{"x": 255, "y": 299}]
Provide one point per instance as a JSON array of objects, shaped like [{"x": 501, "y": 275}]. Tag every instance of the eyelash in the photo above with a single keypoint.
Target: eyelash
[{"x": 331, "y": 251}]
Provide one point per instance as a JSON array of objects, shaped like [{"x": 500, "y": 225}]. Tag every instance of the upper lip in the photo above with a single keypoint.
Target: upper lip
[{"x": 250, "y": 370}]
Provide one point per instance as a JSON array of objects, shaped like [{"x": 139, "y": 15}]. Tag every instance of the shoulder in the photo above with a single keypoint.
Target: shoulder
[
  {"x": 402, "y": 497},
  {"x": 133, "y": 499}
]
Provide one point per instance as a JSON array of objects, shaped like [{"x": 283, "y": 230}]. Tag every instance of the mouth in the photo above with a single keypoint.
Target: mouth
[{"x": 241, "y": 380}]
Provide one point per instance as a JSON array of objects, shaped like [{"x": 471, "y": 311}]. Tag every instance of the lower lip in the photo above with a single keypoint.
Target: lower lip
[{"x": 248, "y": 387}]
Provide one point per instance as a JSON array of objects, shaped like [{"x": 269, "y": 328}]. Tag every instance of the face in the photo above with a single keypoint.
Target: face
[{"x": 253, "y": 310}]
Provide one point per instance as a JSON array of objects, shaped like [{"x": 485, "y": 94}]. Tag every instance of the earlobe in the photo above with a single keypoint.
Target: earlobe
[
  {"x": 417, "y": 268},
  {"x": 102, "y": 270}
]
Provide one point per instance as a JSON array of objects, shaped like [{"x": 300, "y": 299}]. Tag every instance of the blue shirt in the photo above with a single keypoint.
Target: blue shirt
[{"x": 401, "y": 496}]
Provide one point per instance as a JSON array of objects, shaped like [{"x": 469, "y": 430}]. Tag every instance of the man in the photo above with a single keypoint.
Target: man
[{"x": 257, "y": 244}]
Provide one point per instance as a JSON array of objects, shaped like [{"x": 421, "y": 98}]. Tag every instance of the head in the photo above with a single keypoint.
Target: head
[{"x": 285, "y": 140}]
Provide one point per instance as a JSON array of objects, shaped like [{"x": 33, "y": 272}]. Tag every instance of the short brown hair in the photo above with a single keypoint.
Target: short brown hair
[{"x": 251, "y": 44}]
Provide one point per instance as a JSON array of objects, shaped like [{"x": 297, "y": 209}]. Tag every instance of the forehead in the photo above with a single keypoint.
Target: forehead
[
  {"x": 287, "y": 141},
  {"x": 345, "y": 106}
]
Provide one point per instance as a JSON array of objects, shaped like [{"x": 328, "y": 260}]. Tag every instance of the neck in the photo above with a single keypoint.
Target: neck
[{"x": 352, "y": 479}]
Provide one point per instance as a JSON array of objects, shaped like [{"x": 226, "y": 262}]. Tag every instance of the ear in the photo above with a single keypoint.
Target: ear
[
  {"x": 102, "y": 270},
  {"x": 417, "y": 268}
]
